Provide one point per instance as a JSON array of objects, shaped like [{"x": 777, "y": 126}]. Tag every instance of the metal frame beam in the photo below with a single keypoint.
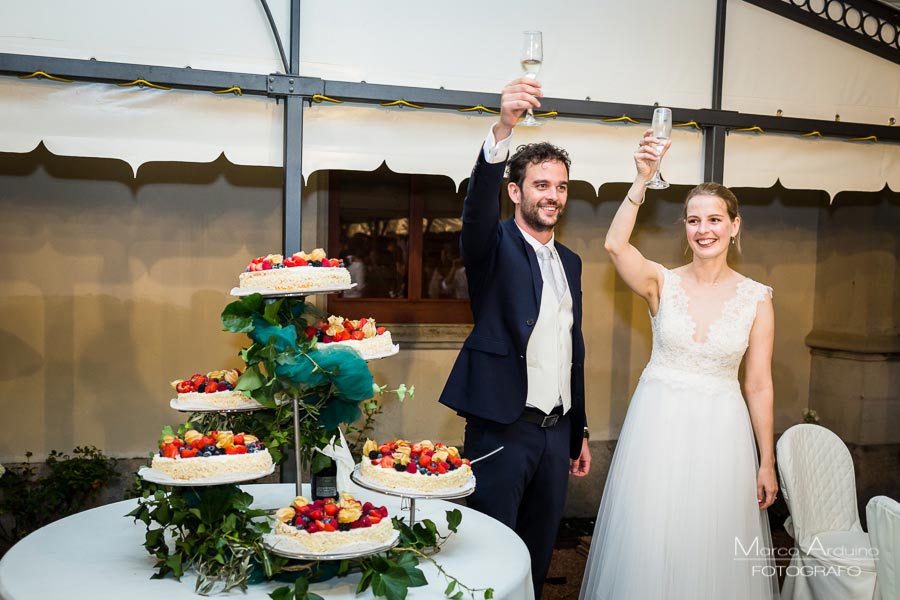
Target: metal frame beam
[
  {"x": 882, "y": 21},
  {"x": 714, "y": 136},
  {"x": 292, "y": 189},
  {"x": 279, "y": 85}
]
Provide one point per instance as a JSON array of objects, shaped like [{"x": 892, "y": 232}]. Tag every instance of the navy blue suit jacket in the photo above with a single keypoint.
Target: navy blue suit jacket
[{"x": 489, "y": 379}]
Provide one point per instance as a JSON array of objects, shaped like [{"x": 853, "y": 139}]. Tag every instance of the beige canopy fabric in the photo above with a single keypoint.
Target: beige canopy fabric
[{"x": 661, "y": 53}]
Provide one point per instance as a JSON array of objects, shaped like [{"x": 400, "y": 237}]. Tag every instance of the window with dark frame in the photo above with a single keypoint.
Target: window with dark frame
[{"x": 399, "y": 237}]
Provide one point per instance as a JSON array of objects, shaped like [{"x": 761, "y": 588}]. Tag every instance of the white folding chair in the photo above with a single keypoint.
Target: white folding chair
[
  {"x": 883, "y": 518},
  {"x": 832, "y": 557}
]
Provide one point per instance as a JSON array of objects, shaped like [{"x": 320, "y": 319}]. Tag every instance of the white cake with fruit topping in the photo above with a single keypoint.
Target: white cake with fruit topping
[
  {"x": 196, "y": 456},
  {"x": 295, "y": 273},
  {"x": 330, "y": 526},
  {"x": 361, "y": 335},
  {"x": 213, "y": 390},
  {"x": 421, "y": 466}
]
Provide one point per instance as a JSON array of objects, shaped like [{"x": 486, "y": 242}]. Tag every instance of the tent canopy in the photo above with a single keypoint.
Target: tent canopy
[{"x": 660, "y": 54}]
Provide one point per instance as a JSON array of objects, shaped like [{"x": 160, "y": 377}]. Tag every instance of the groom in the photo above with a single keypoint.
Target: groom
[{"x": 519, "y": 378}]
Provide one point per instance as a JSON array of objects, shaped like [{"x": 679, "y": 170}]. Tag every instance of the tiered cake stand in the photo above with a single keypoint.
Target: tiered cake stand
[{"x": 277, "y": 544}]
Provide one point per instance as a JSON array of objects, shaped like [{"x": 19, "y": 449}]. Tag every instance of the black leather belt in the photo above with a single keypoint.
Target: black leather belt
[{"x": 540, "y": 418}]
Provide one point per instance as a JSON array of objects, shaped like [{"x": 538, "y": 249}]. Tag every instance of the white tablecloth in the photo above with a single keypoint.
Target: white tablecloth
[{"x": 98, "y": 554}]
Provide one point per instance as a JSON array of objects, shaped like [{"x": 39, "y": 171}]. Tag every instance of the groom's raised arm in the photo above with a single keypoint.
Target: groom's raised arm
[{"x": 481, "y": 210}]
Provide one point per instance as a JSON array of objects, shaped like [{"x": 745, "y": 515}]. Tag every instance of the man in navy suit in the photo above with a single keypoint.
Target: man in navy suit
[{"x": 519, "y": 378}]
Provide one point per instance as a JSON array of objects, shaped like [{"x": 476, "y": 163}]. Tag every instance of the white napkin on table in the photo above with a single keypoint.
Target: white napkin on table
[{"x": 345, "y": 463}]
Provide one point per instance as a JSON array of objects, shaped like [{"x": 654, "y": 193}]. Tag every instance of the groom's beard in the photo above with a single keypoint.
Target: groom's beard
[{"x": 536, "y": 218}]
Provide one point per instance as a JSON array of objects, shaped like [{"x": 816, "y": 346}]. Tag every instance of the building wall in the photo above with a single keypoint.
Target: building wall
[{"x": 112, "y": 286}]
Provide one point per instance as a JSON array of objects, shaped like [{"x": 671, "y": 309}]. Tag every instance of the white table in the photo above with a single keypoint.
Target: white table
[{"x": 99, "y": 554}]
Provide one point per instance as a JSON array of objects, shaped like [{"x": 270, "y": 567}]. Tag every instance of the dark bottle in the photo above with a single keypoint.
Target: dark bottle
[{"x": 324, "y": 482}]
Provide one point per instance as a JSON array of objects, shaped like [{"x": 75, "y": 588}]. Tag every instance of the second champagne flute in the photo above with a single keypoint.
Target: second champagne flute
[
  {"x": 532, "y": 56},
  {"x": 662, "y": 129}
]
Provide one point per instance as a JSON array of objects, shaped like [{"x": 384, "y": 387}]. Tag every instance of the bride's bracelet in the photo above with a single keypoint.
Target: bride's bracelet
[{"x": 627, "y": 197}]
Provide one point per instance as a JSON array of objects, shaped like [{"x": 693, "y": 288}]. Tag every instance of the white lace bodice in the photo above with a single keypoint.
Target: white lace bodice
[{"x": 678, "y": 356}]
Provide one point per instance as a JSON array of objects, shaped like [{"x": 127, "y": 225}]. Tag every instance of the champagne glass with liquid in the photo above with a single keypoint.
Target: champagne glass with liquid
[
  {"x": 662, "y": 129},
  {"x": 532, "y": 56}
]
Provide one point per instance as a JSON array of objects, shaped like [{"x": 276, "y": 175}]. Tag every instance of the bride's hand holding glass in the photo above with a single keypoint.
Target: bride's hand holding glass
[{"x": 647, "y": 156}]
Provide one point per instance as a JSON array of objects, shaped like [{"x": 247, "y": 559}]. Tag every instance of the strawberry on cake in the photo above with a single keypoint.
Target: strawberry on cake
[
  {"x": 330, "y": 525},
  {"x": 419, "y": 467},
  {"x": 361, "y": 335},
  {"x": 295, "y": 273},
  {"x": 197, "y": 456},
  {"x": 215, "y": 390}
]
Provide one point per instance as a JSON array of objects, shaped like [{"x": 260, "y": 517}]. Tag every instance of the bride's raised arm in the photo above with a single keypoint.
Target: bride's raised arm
[{"x": 640, "y": 274}]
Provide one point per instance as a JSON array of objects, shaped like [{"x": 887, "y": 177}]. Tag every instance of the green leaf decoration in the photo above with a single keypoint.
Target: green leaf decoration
[
  {"x": 454, "y": 518},
  {"x": 393, "y": 584},
  {"x": 282, "y": 593},
  {"x": 250, "y": 380},
  {"x": 450, "y": 587},
  {"x": 489, "y": 593},
  {"x": 238, "y": 316},
  {"x": 270, "y": 313}
]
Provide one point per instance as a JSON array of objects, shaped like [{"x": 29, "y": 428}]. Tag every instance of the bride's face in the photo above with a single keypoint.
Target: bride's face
[{"x": 708, "y": 227}]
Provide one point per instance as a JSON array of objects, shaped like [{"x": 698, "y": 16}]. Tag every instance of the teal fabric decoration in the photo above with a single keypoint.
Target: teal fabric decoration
[
  {"x": 351, "y": 374},
  {"x": 353, "y": 378},
  {"x": 263, "y": 331}
]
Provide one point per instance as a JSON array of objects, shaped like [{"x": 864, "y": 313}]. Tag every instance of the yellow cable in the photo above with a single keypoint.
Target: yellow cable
[
  {"x": 865, "y": 139},
  {"x": 479, "y": 108},
  {"x": 40, "y": 74},
  {"x": 811, "y": 134},
  {"x": 236, "y": 90},
  {"x": 755, "y": 128},
  {"x": 401, "y": 103},
  {"x": 144, "y": 82},
  {"x": 693, "y": 124},
  {"x": 551, "y": 113},
  {"x": 622, "y": 118},
  {"x": 320, "y": 98}
]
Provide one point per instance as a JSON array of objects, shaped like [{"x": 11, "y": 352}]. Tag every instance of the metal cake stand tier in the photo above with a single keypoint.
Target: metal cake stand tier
[
  {"x": 271, "y": 542},
  {"x": 411, "y": 496}
]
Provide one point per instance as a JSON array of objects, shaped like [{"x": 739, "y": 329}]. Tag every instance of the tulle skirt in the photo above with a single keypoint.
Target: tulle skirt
[{"x": 679, "y": 517}]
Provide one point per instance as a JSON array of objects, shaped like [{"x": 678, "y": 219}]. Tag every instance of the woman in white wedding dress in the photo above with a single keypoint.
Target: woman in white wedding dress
[{"x": 683, "y": 511}]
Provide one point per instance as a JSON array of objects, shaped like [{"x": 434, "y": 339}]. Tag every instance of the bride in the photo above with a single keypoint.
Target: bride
[{"x": 683, "y": 511}]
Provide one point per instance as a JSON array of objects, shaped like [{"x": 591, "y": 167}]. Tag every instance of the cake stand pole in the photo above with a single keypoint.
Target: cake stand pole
[
  {"x": 297, "y": 452},
  {"x": 412, "y": 510}
]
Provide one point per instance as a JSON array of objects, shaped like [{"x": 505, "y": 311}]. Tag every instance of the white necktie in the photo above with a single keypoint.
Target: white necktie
[{"x": 551, "y": 271}]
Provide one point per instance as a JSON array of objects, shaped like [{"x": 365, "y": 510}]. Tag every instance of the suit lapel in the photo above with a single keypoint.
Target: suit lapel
[{"x": 536, "y": 279}]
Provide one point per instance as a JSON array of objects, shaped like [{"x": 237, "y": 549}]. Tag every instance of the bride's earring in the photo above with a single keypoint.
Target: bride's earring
[{"x": 732, "y": 240}]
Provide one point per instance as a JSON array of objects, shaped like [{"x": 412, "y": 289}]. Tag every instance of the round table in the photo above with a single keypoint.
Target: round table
[{"x": 98, "y": 554}]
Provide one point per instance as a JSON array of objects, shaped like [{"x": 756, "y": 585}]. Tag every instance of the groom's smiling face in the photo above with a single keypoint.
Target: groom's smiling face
[{"x": 542, "y": 198}]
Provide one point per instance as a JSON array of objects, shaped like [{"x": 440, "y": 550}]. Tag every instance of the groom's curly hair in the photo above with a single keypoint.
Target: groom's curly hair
[{"x": 534, "y": 154}]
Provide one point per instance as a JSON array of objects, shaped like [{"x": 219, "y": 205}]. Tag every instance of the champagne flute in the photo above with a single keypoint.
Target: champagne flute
[
  {"x": 662, "y": 129},
  {"x": 532, "y": 56}
]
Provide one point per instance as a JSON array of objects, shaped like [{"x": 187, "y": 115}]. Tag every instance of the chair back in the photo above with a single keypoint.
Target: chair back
[
  {"x": 817, "y": 481},
  {"x": 883, "y": 519}
]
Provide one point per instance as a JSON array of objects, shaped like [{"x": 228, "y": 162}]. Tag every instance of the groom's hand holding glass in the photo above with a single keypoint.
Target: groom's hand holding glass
[{"x": 517, "y": 97}]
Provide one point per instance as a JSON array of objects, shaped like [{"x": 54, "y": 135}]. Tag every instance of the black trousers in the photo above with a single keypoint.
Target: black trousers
[{"x": 523, "y": 486}]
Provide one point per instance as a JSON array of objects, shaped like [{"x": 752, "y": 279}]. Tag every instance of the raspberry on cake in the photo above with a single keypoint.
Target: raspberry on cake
[
  {"x": 362, "y": 335},
  {"x": 214, "y": 454},
  {"x": 420, "y": 467},
  {"x": 215, "y": 390},
  {"x": 295, "y": 273},
  {"x": 330, "y": 525}
]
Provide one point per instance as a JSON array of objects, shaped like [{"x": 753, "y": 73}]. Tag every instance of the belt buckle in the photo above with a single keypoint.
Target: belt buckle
[{"x": 549, "y": 420}]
